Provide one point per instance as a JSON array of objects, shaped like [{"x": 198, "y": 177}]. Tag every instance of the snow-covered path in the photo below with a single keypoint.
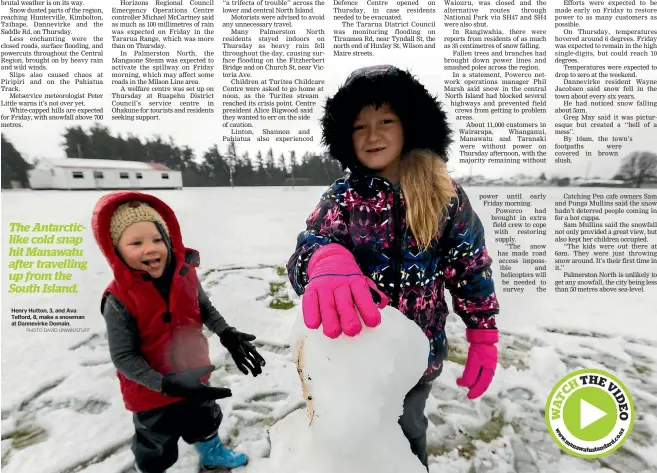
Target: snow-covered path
[{"x": 62, "y": 411}]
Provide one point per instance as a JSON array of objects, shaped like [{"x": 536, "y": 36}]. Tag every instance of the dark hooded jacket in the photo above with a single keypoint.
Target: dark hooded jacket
[
  {"x": 154, "y": 326},
  {"x": 423, "y": 118},
  {"x": 366, "y": 214}
]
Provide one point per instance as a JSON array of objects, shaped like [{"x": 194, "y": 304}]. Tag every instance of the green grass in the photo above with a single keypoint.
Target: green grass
[
  {"x": 280, "y": 304},
  {"x": 24, "y": 437},
  {"x": 267, "y": 421},
  {"x": 467, "y": 450},
  {"x": 280, "y": 300},
  {"x": 436, "y": 450},
  {"x": 275, "y": 287},
  {"x": 508, "y": 356},
  {"x": 457, "y": 354},
  {"x": 514, "y": 355},
  {"x": 490, "y": 431},
  {"x": 232, "y": 435},
  {"x": 642, "y": 369},
  {"x": 456, "y": 357},
  {"x": 5, "y": 458}
]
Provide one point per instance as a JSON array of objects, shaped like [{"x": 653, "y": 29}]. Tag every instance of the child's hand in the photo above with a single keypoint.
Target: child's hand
[
  {"x": 337, "y": 287},
  {"x": 243, "y": 352},
  {"x": 481, "y": 362},
  {"x": 188, "y": 384}
]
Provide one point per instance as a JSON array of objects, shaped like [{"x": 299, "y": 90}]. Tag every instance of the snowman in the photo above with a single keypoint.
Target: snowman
[{"x": 354, "y": 389}]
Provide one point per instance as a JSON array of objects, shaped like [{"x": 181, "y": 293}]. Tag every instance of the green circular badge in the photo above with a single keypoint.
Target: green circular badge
[{"x": 589, "y": 413}]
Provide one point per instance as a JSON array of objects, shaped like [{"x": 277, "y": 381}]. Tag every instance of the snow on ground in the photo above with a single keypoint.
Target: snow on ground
[{"x": 62, "y": 411}]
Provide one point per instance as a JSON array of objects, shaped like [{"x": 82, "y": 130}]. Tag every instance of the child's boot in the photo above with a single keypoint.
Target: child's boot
[
  {"x": 137, "y": 470},
  {"x": 215, "y": 455}
]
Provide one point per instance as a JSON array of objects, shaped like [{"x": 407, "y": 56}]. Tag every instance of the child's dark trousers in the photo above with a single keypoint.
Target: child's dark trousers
[
  {"x": 155, "y": 443},
  {"x": 413, "y": 421}
]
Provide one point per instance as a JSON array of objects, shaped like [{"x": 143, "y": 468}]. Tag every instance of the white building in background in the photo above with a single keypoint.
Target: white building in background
[{"x": 84, "y": 174}]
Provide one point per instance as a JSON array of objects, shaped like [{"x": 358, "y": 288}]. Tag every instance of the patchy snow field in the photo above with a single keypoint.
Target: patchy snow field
[{"x": 62, "y": 411}]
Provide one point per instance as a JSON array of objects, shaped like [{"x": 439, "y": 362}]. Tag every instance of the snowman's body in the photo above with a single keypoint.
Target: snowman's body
[{"x": 354, "y": 389}]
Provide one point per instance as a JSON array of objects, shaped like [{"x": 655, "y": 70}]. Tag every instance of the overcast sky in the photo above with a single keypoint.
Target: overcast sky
[{"x": 39, "y": 139}]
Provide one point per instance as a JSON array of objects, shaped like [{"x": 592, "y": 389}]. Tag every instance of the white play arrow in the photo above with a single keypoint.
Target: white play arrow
[{"x": 588, "y": 414}]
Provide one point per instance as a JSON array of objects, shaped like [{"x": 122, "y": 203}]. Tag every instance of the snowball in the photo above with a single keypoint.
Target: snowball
[{"x": 354, "y": 389}]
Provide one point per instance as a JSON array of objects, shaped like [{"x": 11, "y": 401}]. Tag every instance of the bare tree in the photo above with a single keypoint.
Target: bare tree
[{"x": 639, "y": 166}]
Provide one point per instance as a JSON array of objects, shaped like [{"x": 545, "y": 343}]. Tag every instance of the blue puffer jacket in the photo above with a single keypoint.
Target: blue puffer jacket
[{"x": 366, "y": 215}]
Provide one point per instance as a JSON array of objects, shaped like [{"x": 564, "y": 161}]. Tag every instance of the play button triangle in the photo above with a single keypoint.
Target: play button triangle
[{"x": 589, "y": 414}]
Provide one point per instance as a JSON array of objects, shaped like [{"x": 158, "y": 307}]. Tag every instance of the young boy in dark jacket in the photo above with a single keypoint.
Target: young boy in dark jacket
[{"x": 155, "y": 310}]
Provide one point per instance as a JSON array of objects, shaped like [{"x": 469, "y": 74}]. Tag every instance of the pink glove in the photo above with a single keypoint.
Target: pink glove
[
  {"x": 481, "y": 362},
  {"x": 336, "y": 285}
]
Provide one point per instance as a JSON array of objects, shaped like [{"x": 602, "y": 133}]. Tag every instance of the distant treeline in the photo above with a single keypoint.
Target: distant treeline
[
  {"x": 217, "y": 168},
  {"x": 214, "y": 168},
  {"x": 14, "y": 167}
]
